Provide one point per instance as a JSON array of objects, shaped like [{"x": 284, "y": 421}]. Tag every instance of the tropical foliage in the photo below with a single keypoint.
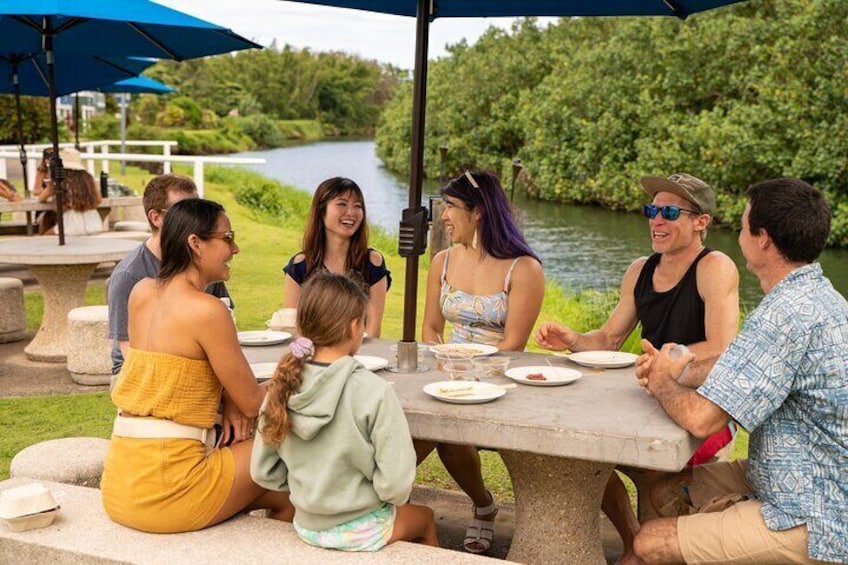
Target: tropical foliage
[{"x": 741, "y": 94}]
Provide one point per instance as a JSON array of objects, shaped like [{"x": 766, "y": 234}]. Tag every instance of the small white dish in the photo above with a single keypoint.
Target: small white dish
[
  {"x": 543, "y": 375},
  {"x": 262, "y": 337},
  {"x": 32, "y": 521},
  {"x": 464, "y": 392},
  {"x": 464, "y": 349},
  {"x": 601, "y": 359},
  {"x": 372, "y": 362},
  {"x": 25, "y": 500},
  {"x": 263, "y": 371}
]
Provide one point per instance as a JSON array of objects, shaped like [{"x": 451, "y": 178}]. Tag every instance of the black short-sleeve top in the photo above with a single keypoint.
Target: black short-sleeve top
[{"x": 373, "y": 273}]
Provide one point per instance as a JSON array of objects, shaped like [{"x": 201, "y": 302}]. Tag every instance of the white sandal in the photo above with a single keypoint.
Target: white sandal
[{"x": 481, "y": 533}]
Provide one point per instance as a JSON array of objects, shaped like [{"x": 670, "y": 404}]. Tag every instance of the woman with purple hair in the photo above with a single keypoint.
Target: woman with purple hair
[{"x": 489, "y": 286}]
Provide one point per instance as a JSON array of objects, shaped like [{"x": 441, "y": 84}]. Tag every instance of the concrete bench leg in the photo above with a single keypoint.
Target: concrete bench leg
[
  {"x": 71, "y": 461},
  {"x": 88, "y": 345},
  {"x": 12, "y": 310}
]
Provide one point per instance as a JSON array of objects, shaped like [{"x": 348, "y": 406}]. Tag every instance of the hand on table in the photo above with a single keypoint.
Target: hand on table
[
  {"x": 656, "y": 368},
  {"x": 555, "y": 337}
]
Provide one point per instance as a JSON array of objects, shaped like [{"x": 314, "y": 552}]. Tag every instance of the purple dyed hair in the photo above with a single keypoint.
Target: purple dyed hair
[{"x": 499, "y": 234}]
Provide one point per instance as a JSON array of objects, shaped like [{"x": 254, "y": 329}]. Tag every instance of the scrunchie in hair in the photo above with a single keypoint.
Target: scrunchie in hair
[{"x": 302, "y": 348}]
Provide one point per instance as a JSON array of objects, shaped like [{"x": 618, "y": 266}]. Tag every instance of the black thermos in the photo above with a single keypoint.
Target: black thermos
[{"x": 104, "y": 184}]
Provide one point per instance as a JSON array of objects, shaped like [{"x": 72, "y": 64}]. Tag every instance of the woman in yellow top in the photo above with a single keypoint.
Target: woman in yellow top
[{"x": 160, "y": 474}]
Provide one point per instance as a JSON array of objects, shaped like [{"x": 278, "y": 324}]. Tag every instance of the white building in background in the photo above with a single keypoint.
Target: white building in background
[{"x": 90, "y": 104}]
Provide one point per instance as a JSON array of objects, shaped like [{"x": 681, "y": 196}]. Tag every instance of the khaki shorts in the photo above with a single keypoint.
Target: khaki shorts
[{"x": 725, "y": 527}]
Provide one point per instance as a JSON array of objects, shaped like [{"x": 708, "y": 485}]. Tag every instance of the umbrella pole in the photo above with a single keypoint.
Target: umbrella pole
[
  {"x": 57, "y": 172},
  {"x": 76, "y": 120},
  {"x": 407, "y": 348},
  {"x": 20, "y": 128}
]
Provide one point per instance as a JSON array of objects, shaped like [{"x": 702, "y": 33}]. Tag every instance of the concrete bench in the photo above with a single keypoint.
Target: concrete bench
[
  {"x": 129, "y": 225},
  {"x": 71, "y": 460},
  {"x": 12, "y": 310},
  {"x": 89, "y": 347},
  {"x": 83, "y": 534}
]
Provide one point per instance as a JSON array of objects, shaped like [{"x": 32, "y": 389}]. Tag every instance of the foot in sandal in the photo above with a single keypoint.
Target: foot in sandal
[{"x": 481, "y": 531}]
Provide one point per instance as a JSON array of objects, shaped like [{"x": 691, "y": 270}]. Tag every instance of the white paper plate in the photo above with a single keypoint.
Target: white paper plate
[
  {"x": 371, "y": 362},
  {"x": 602, "y": 359},
  {"x": 263, "y": 371},
  {"x": 263, "y": 337},
  {"x": 554, "y": 376},
  {"x": 464, "y": 349},
  {"x": 476, "y": 392}
]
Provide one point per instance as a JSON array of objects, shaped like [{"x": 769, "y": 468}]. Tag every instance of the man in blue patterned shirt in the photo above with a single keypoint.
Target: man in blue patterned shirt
[{"x": 784, "y": 379}]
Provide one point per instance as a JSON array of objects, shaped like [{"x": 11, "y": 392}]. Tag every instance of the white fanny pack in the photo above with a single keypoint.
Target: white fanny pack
[{"x": 152, "y": 428}]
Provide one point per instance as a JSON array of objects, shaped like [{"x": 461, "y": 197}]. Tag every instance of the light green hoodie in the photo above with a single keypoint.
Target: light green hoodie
[{"x": 348, "y": 450}]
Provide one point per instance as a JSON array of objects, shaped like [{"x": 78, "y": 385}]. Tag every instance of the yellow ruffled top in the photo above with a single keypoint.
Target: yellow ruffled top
[{"x": 168, "y": 386}]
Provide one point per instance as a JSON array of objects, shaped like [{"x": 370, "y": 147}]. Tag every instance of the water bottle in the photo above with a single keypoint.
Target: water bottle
[{"x": 104, "y": 184}]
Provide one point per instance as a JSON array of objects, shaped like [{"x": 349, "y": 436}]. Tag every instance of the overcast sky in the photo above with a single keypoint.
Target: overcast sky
[{"x": 390, "y": 39}]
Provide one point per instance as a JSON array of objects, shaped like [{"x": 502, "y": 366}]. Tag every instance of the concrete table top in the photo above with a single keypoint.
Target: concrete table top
[
  {"x": 63, "y": 273},
  {"x": 33, "y": 205},
  {"x": 559, "y": 443}
]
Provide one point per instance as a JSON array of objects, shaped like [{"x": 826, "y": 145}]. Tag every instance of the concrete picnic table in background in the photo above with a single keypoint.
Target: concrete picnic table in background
[
  {"x": 62, "y": 272},
  {"x": 33, "y": 205},
  {"x": 560, "y": 444}
]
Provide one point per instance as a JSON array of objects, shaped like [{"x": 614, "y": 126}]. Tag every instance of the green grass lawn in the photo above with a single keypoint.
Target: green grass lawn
[{"x": 257, "y": 288}]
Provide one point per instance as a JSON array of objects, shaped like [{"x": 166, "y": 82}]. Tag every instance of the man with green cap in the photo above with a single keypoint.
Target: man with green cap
[{"x": 683, "y": 293}]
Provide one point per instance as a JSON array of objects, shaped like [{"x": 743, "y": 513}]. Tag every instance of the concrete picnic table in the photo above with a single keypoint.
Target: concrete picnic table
[
  {"x": 560, "y": 444},
  {"x": 31, "y": 205},
  {"x": 63, "y": 273}
]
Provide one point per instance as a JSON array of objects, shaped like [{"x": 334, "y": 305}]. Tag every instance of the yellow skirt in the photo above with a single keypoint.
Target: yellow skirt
[{"x": 165, "y": 485}]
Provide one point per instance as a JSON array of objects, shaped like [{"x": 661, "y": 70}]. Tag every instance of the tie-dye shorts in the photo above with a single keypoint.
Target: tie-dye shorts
[{"x": 369, "y": 532}]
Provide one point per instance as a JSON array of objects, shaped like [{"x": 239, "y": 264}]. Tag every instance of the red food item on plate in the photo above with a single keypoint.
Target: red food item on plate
[{"x": 536, "y": 377}]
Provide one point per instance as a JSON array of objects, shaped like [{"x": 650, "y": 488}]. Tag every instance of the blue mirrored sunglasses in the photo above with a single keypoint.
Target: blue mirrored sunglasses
[{"x": 667, "y": 212}]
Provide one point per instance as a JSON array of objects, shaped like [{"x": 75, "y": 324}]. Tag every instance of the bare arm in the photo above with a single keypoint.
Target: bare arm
[
  {"x": 376, "y": 300},
  {"x": 46, "y": 193},
  {"x": 433, "y": 327},
  {"x": 658, "y": 373},
  {"x": 611, "y": 335},
  {"x": 718, "y": 285},
  {"x": 526, "y": 293}
]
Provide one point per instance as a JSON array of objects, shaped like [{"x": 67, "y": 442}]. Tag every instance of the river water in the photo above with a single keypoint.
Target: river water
[{"x": 580, "y": 246}]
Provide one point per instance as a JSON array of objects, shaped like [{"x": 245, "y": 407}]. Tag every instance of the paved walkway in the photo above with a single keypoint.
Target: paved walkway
[{"x": 21, "y": 377}]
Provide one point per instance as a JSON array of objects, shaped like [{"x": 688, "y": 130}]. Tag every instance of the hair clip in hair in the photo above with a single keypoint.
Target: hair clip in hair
[
  {"x": 302, "y": 348},
  {"x": 470, "y": 178}
]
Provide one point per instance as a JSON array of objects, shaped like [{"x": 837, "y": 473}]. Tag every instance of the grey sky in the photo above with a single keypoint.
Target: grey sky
[{"x": 389, "y": 39}]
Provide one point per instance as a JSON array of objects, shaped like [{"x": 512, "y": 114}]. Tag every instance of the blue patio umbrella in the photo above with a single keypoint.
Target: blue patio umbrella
[
  {"x": 26, "y": 74},
  {"x": 139, "y": 28},
  {"x": 138, "y": 85},
  {"x": 413, "y": 227}
]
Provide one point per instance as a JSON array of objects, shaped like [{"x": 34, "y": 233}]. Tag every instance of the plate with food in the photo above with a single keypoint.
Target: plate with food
[
  {"x": 372, "y": 362},
  {"x": 263, "y": 371},
  {"x": 464, "y": 392},
  {"x": 543, "y": 375},
  {"x": 463, "y": 349},
  {"x": 602, "y": 359},
  {"x": 263, "y": 337}
]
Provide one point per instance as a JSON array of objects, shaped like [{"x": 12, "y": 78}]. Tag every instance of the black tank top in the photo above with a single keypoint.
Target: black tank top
[{"x": 676, "y": 315}]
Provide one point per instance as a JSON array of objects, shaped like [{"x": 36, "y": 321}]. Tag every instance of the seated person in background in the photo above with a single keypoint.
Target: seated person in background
[
  {"x": 333, "y": 433},
  {"x": 336, "y": 240},
  {"x": 160, "y": 194},
  {"x": 9, "y": 192},
  {"x": 785, "y": 380},
  {"x": 490, "y": 287},
  {"x": 80, "y": 215},
  {"x": 684, "y": 293},
  {"x": 161, "y": 475},
  {"x": 45, "y": 219}
]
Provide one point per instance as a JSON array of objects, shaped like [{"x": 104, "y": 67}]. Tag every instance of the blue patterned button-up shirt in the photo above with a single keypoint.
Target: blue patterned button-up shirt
[{"x": 785, "y": 379}]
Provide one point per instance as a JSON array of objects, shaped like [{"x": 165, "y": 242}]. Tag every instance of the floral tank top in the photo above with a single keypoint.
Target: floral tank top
[{"x": 475, "y": 318}]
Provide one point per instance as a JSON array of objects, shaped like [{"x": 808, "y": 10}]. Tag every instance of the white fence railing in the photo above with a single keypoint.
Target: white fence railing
[{"x": 91, "y": 156}]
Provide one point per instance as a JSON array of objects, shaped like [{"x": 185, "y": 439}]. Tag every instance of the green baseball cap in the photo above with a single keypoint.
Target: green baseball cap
[{"x": 690, "y": 188}]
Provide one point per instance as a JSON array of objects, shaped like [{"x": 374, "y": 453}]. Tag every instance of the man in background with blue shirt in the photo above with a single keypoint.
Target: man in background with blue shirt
[{"x": 785, "y": 380}]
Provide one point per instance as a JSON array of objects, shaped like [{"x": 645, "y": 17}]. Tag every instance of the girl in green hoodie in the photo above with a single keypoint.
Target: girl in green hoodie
[{"x": 334, "y": 435}]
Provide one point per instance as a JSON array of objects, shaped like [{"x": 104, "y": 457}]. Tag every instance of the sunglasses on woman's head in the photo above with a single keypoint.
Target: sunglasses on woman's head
[{"x": 667, "y": 212}]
